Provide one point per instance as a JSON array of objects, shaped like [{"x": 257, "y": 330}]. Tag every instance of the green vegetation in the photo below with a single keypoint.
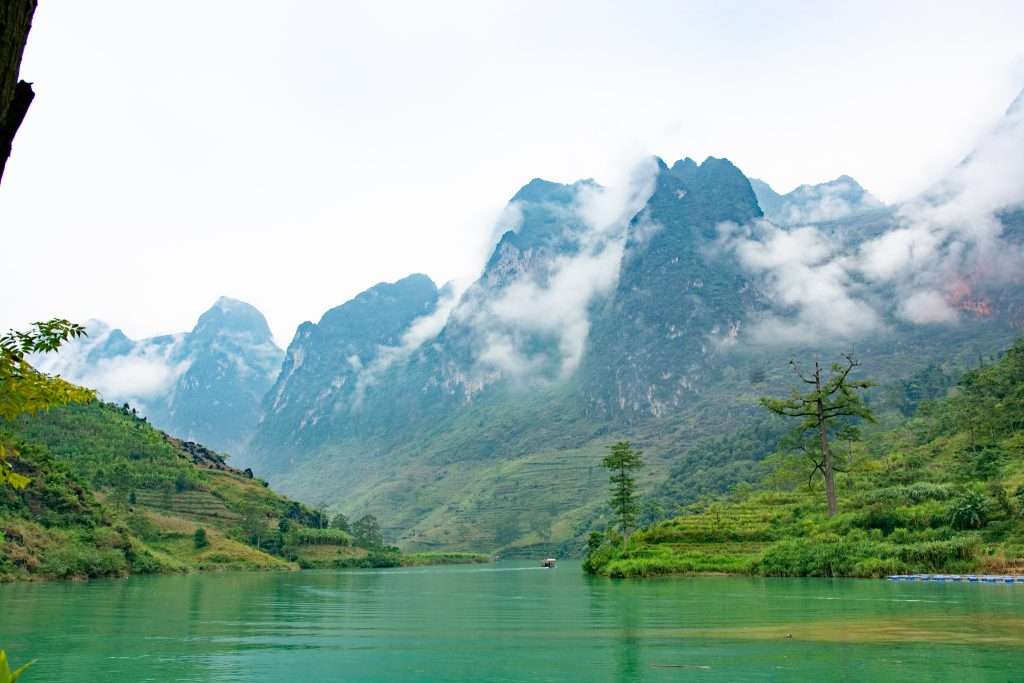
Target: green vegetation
[
  {"x": 25, "y": 390},
  {"x": 340, "y": 521},
  {"x": 109, "y": 495},
  {"x": 366, "y": 532},
  {"x": 822, "y": 410},
  {"x": 8, "y": 676},
  {"x": 942, "y": 491},
  {"x": 429, "y": 559},
  {"x": 620, "y": 462}
]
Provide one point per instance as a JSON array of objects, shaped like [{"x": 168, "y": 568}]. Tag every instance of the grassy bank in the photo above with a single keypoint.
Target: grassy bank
[
  {"x": 111, "y": 496},
  {"x": 942, "y": 491}
]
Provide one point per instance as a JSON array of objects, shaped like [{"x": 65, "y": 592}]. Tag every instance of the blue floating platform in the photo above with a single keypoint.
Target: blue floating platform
[{"x": 970, "y": 578}]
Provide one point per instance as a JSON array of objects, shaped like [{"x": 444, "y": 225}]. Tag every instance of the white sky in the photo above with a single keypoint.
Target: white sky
[{"x": 292, "y": 154}]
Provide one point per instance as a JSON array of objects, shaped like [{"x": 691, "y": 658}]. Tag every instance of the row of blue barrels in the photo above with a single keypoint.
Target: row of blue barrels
[{"x": 958, "y": 577}]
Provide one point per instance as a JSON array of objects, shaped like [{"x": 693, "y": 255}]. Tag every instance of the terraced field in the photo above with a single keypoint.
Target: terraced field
[{"x": 197, "y": 505}]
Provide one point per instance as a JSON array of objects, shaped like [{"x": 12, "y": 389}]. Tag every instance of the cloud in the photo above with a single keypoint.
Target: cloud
[
  {"x": 119, "y": 369},
  {"x": 927, "y": 306},
  {"x": 419, "y": 332},
  {"x": 556, "y": 307},
  {"x": 537, "y": 323},
  {"x": 945, "y": 248},
  {"x": 953, "y": 233},
  {"x": 806, "y": 277},
  {"x": 830, "y": 201}
]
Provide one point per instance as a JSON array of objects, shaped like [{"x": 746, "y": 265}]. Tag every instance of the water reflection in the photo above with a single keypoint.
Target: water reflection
[{"x": 508, "y": 623}]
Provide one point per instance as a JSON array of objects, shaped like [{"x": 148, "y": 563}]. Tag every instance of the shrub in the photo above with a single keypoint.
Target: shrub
[
  {"x": 877, "y": 567},
  {"x": 917, "y": 492},
  {"x": 969, "y": 511},
  {"x": 307, "y": 536},
  {"x": 73, "y": 560},
  {"x": 143, "y": 527},
  {"x": 200, "y": 539},
  {"x": 981, "y": 462},
  {"x": 940, "y": 555}
]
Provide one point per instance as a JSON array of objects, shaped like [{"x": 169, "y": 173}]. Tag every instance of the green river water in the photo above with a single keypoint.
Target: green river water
[{"x": 510, "y": 622}]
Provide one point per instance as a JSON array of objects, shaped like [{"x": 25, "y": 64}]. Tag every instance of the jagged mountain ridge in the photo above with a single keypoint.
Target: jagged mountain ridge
[
  {"x": 327, "y": 364},
  {"x": 647, "y": 349},
  {"x": 363, "y": 386},
  {"x": 477, "y": 418},
  {"x": 204, "y": 385},
  {"x": 443, "y": 445},
  {"x": 834, "y": 200}
]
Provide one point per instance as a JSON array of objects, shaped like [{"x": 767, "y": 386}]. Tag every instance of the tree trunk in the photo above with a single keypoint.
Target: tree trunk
[
  {"x": 625, "y": 527},
  {"x": 15, "y": 95},
  {"x": 826, "y": 453}
]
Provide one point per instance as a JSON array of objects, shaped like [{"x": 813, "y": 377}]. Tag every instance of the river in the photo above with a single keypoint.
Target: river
[{"x": 510, "y": 622}]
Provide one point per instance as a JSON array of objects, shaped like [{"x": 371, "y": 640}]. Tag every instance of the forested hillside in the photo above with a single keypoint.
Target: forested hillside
[
  {"x": 940, "y": 491},
  {"x": 109, "y": 495}
]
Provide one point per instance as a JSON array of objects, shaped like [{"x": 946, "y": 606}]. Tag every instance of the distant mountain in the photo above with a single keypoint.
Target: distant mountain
[
  {"x": 328, "y": 365},
  {"x": 658, "y": 312},
  {"x": 405, "y": 355},
  {"x": 204, "y": 385},
  {"x": 808, "y": 204},
  {"x": 478, "y": 419}
]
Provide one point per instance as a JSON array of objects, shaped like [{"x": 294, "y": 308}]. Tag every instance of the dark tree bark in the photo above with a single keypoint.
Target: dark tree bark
[
  {"x": 827, "y": 469},
  {"x": 830, "y": 399},
  {"x": 15, "y": 95}
]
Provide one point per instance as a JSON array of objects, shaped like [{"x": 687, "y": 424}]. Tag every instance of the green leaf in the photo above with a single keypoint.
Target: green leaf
[{"x": 5, "y": 671}]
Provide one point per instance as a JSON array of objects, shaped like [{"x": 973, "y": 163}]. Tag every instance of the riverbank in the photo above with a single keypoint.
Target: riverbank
[
  {"x": 110, "y": 496},
  {"x": 941, "y": 492}
]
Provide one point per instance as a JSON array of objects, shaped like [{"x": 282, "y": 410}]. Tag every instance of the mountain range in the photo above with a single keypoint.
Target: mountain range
[
  {"x": 658, "y": 312},
  {"x": 203, "y": 385}
]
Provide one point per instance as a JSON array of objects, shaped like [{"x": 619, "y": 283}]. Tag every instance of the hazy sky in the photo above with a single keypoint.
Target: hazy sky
[{"x": 293, "y": 154}]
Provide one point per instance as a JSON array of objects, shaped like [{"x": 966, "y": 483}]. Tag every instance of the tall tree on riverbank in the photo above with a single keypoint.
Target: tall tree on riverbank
[
  {"x": 621, "y": 462},
  {"x": 15, "y": 95},
  {"x": 367, "y": 533},
  {"x": 823, "y": 408}
]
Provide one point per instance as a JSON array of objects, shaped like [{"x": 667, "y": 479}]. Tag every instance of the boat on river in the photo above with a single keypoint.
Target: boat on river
[{"x": 548, "y": 563}]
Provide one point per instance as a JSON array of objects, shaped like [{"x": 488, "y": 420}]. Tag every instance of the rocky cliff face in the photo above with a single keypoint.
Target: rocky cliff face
[
  {"x": 680, "y": 299},
  {"x": 330, "y": 366}
]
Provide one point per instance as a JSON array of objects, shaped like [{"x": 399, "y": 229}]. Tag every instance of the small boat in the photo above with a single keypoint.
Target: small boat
[{"x": 548, "y": 563}]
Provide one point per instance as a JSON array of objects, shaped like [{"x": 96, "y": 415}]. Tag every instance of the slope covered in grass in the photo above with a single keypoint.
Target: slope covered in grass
[
  {"x": 110, "y": 495},
  {"x": 942, "y": 491}
]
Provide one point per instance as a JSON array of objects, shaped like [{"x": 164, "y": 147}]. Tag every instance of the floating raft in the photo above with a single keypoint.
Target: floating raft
[{"x": 969, "y": 578}]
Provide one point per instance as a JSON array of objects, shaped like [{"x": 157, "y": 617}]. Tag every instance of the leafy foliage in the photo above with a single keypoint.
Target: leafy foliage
[
  {"x": 8, "y": 676},
  {"x": 23, "y": 389},
  {"x": 969, "y": 511},
  {"x": 367, "y": 533},
  {"x": 925, "y": 494},
  {"x": 826, "y": 406},
  {"x": 340, "y": 521},
  {"x": 622, "y": 460}
]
